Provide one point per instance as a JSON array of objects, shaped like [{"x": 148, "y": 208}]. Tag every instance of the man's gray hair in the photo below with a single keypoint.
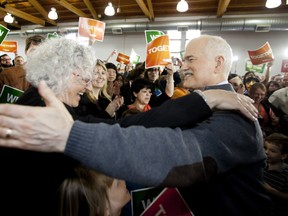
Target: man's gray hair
[{"x": 216, "y": 46}]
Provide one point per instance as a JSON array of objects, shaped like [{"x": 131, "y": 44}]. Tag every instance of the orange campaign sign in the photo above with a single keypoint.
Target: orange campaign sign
[
  {"x": 158, "y": 52},
  {"x": 122, "y": 58},
  {"x": 91, "y": 28},
  {"x": 262, "y": 55},
  {"x": 9, "y": 46}
]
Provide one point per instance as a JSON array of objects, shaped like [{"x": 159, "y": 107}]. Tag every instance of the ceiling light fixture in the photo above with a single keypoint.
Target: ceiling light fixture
[
  {"x": 109, "y": 10},
  {"x": 53, "y": 14},
  {"x": 8, "y": 18},
  {"x": 182, "y": 6},
  {"x": 273, "y": 3}
]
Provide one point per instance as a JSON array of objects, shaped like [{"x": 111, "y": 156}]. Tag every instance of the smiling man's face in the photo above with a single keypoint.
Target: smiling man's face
[{"x": 198, "y": 66}]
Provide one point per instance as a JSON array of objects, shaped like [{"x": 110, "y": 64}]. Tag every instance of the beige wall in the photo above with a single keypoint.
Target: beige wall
[{"x": 240, "y": 42}]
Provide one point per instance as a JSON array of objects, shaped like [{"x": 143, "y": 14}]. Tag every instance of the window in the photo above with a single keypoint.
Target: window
[{"x": 175, "y": 42}]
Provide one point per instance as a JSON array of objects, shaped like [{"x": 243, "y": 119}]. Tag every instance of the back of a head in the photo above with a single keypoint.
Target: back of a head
[
  {"x": 84, "y": 193},
  {"x": 55, "y": 60},
  {"x": 136, "y": 72},
  {"x": 130, "y": 112},
  {"x": 141, "y": 83},
  {"x": 35, "y": 40}
]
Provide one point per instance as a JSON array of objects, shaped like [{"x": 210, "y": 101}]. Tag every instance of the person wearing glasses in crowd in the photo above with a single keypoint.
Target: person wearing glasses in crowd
[{"x": 6, "y": 61}]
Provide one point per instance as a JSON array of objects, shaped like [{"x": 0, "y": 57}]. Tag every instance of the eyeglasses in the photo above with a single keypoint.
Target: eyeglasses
[
  {"x": 83, "y": 81},
  {"x": 7, "y": 59}
]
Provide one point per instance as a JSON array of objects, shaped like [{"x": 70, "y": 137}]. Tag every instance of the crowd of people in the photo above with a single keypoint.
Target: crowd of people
[
  {"x": 269, "y": 98},
  {"x": 81, "y": 131}
]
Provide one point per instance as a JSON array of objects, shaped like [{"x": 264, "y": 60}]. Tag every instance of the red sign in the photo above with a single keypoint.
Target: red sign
[
  {"x": 284, "y": 67},
  {"x": 91, "y": 28},
  {"x": 168, "y": 203}
]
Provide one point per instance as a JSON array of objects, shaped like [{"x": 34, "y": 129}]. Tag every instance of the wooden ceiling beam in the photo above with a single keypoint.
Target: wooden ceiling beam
[
  {"x": 222, "y": 7},
  {"x": 151, "y": 10},
  {"x": 23, "y": 15},
  {"x": 11, "y": 24},
  {"x": 71, "y": 8},
  {"x": 91, "y": 9},
  {"x": 42, "y": 11},
  {"x": 144, "y": 9}
]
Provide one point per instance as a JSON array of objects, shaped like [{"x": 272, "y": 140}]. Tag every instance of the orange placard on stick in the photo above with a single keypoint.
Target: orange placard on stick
[
  {"x": 158, "y": 52},
  {"x": 9, "y": 46},
  {"x": 122, "y": 58},
  {"x": 262, "y": 55},
  {"x": 91, "y": 28}
]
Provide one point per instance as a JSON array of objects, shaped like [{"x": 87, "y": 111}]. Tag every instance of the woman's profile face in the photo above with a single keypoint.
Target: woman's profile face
[{"x": 77, "y": 86}]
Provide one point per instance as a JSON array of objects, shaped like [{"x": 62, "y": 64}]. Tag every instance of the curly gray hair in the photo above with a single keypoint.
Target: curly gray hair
[{"x": 54, "y": 60}]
